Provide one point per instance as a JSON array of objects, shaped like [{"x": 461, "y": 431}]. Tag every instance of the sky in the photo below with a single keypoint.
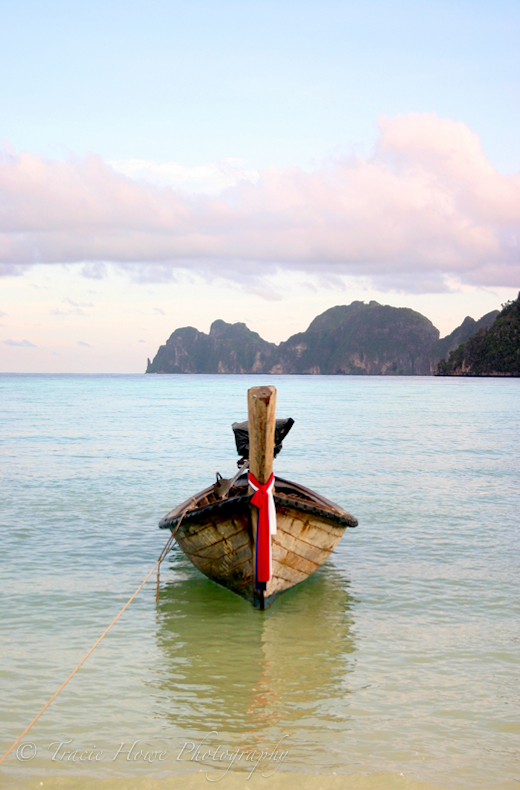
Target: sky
[{"x": 165, "y": 164}]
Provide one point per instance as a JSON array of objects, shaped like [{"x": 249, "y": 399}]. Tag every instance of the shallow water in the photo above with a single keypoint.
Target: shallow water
[{"x": 397, "y": 664}]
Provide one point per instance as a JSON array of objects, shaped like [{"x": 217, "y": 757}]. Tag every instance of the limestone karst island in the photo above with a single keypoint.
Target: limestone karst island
[{"x": 355, "y": 339}]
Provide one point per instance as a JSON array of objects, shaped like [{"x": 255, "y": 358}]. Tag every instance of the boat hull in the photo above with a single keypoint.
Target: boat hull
[{"x": 219, "y": 538}]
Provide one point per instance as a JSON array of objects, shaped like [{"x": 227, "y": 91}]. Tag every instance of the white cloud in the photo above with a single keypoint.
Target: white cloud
[
  {"x": 212, "y": 177},
  {"x": 426, "y": 208}
]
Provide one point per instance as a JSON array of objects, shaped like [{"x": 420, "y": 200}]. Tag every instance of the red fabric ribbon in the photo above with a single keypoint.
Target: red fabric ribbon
[{"x": 263, "y": 499}]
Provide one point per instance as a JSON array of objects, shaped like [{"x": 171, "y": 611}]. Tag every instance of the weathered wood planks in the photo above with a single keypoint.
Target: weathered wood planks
[{"x": 224, "y": 550}]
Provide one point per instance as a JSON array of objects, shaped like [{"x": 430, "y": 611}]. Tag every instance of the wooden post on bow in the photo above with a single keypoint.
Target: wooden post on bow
[{"x": 261, "y": 407}]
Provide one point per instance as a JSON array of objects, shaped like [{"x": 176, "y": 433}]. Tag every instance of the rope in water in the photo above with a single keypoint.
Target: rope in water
[
  {"x": 105, "y": 632},
  {"x": 169, "y": 542}
]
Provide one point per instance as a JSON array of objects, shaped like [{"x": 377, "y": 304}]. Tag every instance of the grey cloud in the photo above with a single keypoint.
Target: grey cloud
[
  {"x": 94, "y": 270},
  {"x": 74, "y": 311},
  {"x": 77, "y": 304},
  {"x": 20, "y": 343},
  {"x": 13, "y": 269}
]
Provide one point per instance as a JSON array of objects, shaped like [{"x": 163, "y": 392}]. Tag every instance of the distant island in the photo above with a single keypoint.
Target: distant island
[
  {"x": 355, "y": 339},
  {"x": 492, "y": 351}
]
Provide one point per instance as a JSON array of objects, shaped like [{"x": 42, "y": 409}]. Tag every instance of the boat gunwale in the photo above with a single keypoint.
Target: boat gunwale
[{"x": 329, "y": 512}]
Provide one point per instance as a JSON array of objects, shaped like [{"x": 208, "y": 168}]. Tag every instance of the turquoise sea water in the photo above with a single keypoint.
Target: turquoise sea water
[{"x": 395, "y": 666}]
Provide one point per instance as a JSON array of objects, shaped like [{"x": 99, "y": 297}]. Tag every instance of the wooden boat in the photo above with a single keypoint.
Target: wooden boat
[{"x": 217, "y": 529}]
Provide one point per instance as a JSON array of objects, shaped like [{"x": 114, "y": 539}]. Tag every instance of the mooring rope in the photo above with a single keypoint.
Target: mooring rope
[
  {"x": 169, "y": 542},
  {"x": 105, "y": 632}
]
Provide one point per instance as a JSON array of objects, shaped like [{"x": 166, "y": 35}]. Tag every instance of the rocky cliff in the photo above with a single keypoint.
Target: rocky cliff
[
  {"x": 229, "y": 348},
  {"x": 493, "y": 351},
  {"x": 359, "y": 339}
]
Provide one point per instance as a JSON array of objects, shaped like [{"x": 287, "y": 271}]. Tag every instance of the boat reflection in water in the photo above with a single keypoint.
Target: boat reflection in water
[{"x": 254, "y": 679}]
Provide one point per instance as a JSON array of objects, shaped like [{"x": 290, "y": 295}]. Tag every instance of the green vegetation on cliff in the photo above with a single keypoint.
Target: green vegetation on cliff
[
  {"x": 461, "y": 334},
  {"x": 490, "y": 352}
]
